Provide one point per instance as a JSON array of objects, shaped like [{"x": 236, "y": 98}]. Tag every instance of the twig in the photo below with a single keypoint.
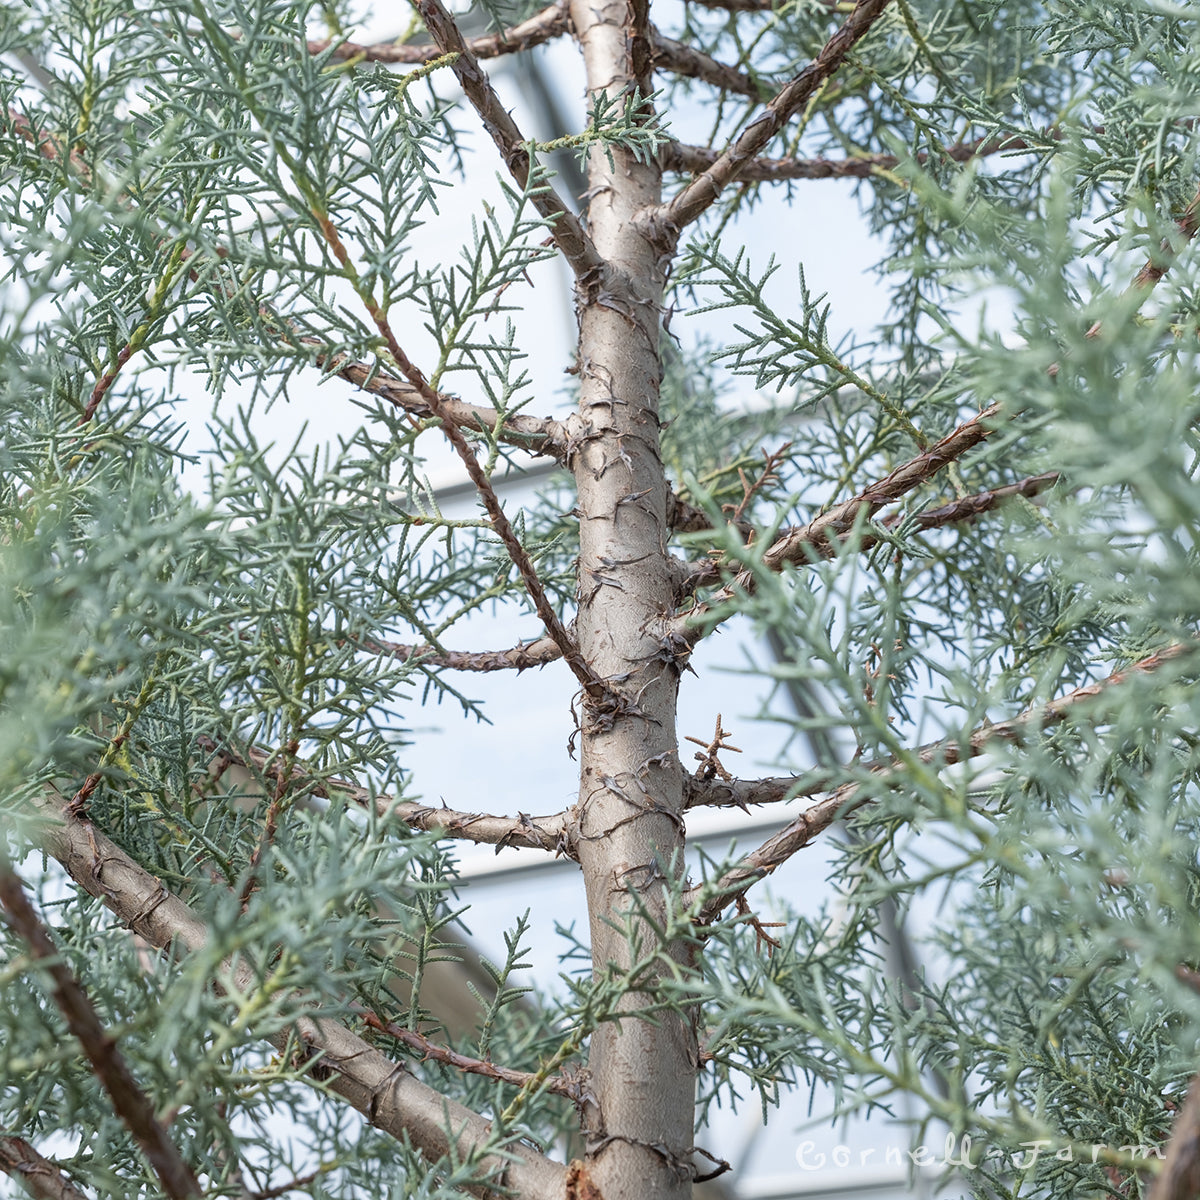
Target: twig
[
  {"x": 698, "y": 195},
  {"x": 592, "y": 685},
  {"x": 819, "y": 816},
  {"x": 766, "y": 5},
  {"x": 1157, "y": 266},
  {"x": 543, "y": 26},
  {"x": 41, "y": 1178},
  {"x": 130, "y": 1103},
  {"x": 569, "y": 234},
  {"x": 822, "y": 531},
  {"x": 283, "y": 776},
  {"x": 344, "y": 1065},
  {"x": 685, "y": 518},
  {"x": 710, "y": 761},
  {"x": 539, "y": 833}
]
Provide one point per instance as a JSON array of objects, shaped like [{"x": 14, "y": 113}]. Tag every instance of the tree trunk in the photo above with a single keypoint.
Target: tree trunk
[{"x": 629, "y": 825}]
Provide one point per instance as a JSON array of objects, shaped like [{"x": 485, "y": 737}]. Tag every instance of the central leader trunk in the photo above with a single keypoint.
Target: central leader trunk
[{"x": 628, "y": 822}]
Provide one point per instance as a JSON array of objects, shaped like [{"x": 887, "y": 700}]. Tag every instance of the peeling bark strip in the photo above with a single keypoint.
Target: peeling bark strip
[{"x": 382, "y": 1090}]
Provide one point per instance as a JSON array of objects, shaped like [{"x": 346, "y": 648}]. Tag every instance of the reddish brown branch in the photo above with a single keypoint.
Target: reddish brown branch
[
  {"x": 1157, "y": 266},
  {"x": 543, "y": 26},
  {"x": 821, "y": 533},
  {"x": 1155, "y": 269},
  {"x": 462, "y": 1062},
  {"x": 765, "y": 5},
  {"x": 283, "y": 776},
  {"x": 41, "y": 1178},
  {"x": 967, "y": 508},
  {"x": 129, "y": 1102},
  {"x": 541, "y": 833},
  {"x": 823, "y": 813},
  {"x": 1179, "y": 1178},
  {"x": 698, "y": 195},
  {"x": 822, "y": 536},
  {"x": 964, "y": 509},
  {"x": 569, "y": 234},
  {"x": 682, "y": 59},
  {"x": 680, "y": 157}
]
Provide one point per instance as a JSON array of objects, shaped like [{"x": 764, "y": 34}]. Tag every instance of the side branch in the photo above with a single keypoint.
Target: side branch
[
  {"x": 41, "y": 1178},
  {"x": 431, "y": 1051},
  {"x": 129, "y": 1102},
  {"x": 682, "y": 59},
  {"x": 689, "y": 519},
  {"x": 592, "y": 685},
  {"x": 256, "y": 767},
  {"x": 681, "y": 157},
  {"x": 569, "y": 234},
  {"x": 538, "y": 435},
  {"x": 543, "y": 26},
  {"x": 767, "y": 5},
  {"x": 819, "y": 816},
  {"x": 381, "y": 1090},
  {"x": 824, "y": 534},
  {"x": 694, "y": 199},
  {"x": 520, "y": 657}
]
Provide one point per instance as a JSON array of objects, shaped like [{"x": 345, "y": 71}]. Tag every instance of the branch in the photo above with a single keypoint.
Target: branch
[
  {"x": 540, "y": 833},
  {"x": 42, "y": 1179},
  {"x": 823, "y": 535},
  {"x": 819, "y": 816},
  {"x": 697, "y": 196},
  {"x": 561, "y": 1086},
  {"x": 569, "y": 234},
  {"x": 592, "y": 685},
  {"x": 678, "y": 156},
  {"x": 960, "y": 511},
  {"x": 967, "y": 508},
  {"x": 129, "y": 1102},
  {"x": 1187, "y": 225},
  {"x": 543, "y": 26},
  {"x": 520, "y": 657},
  {"x": 538, "y": 435},
  {"x": 767, "y": 5},
  {"x": 1179, "y": 1178},
  {"x": 682, "y": 59},
  {"x": 380, "y": 1089}
]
